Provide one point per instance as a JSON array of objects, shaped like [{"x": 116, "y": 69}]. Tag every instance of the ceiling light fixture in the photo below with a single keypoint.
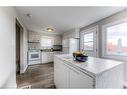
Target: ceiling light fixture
[{"x": 49, "y": 29}]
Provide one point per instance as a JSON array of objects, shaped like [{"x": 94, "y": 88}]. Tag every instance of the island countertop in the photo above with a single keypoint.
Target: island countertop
[{"x": 92, "y": 65}]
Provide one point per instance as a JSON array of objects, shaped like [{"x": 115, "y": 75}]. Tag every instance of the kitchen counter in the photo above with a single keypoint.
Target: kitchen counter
[
  {"x": 45, "y": 50},
  {"x": 48, "y": 56},
  {"x": 92, "y": 65},
  {"x": 51, "y": 51},
  {"x": 94, "y": 73}
]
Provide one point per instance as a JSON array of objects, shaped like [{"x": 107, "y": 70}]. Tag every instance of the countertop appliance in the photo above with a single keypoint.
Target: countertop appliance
[{"x": 34, "y": 57}]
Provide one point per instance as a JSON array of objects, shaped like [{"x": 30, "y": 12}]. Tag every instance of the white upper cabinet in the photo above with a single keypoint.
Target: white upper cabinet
[
  {"x": 37, "y": 37},
  {"x": 65, "y": 42},
  {"x": 33, "y": 37},
  {"x": 57, "y": 40}
]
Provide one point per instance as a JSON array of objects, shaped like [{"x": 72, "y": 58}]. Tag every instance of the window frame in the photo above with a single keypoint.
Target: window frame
[
  {"x": 104, "y": 41},
  {"x": 93, "y": 40},
  {"x": 95, "y": 29}
]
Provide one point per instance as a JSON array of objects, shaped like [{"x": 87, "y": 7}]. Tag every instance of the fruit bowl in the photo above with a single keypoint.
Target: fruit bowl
[{"x": 79, "y": 56}]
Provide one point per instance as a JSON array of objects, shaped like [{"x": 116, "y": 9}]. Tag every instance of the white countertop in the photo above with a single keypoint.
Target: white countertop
[{"x": 92, "y": 65}]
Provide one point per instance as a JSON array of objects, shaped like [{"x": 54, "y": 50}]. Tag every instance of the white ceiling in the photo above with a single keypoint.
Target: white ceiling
[{"x": 63, "y": 18}]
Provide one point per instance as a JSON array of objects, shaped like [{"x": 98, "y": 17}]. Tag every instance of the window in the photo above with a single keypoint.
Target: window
[
  {"x": 88, "y": 41},
  {"x": 116, "y": 39},
  {"x": 46, "y": 42}
]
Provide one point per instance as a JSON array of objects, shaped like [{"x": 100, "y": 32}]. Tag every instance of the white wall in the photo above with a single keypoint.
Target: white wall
[
  {"x": 7, "y": 47},
  {"x": 72, "y": 33},
  {"x": 115, "y": 17}
]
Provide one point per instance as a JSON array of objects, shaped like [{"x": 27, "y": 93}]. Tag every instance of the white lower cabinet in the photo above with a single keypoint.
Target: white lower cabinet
[
  {"x": 80, "y": 80},
  {"x": 61, "y": 75},
  {"x": 68, "y": 77},
  {"x": 69, "y": 74},
  {"x": 52, "y": 56},
  {"x": 47, "y": 57}
]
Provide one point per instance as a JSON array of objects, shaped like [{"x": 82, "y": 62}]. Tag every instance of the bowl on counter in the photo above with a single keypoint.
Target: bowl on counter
[{"x": 77, "y": 56}]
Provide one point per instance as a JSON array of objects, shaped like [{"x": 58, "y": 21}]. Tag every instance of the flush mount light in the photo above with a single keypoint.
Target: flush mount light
[{"x": 49, "y": 29}]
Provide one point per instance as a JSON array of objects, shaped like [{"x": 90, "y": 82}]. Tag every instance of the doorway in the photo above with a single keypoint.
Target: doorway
[{"x": 18, "y": 45}]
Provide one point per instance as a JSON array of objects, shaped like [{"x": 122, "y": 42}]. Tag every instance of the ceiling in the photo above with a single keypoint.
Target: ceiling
[{"x": 62, "y": 19}]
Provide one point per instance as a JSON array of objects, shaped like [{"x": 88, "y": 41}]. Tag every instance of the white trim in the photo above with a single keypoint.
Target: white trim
[
  {"x": 95, "y": 46},
  {"x": 104, "y": 34},
  {"x": 23, "y": 71},
  {"x": 22, "y": 68},
  {"x": 21, "y": 50},
  {"x": 85, "y": 33},
  {"x": 103, "y": 40}
]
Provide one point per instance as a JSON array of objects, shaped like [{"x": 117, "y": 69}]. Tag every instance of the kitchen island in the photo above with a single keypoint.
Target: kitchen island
[{"x": 94, "y": 73}]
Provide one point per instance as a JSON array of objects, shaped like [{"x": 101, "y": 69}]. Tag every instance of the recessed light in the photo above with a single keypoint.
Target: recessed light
[{"x": 49, "y": 29}]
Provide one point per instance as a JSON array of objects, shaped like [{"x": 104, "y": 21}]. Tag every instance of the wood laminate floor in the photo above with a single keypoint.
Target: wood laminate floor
[{"x": 37, "y": 76}]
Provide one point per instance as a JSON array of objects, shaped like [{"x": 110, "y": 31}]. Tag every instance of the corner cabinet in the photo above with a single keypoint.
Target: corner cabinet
[{"x": 66, "y": 76}]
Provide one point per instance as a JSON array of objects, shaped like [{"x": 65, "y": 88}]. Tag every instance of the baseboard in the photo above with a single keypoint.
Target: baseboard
[{"x": 23, "y": 71}]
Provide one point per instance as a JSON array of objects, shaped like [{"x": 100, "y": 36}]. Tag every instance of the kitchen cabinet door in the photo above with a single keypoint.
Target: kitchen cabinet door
[
  {"x": 34, "y": 38},
  {"x": 58, "y": 40},
  {"x": 47, "y": 57},
  {"x": 41, "y": 57},
  {"x": 54, "y": 53},
  {"x": 80, "y": 80},
  {"x": 65, "y": 42},
  {"x": 61, "y": 74},
  {"x": 50, "y": 57},
  {"x": 44, "y": 57}
]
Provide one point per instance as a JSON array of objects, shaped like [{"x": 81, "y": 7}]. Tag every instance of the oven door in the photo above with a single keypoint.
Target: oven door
[{"x": 34, "y": 56}]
